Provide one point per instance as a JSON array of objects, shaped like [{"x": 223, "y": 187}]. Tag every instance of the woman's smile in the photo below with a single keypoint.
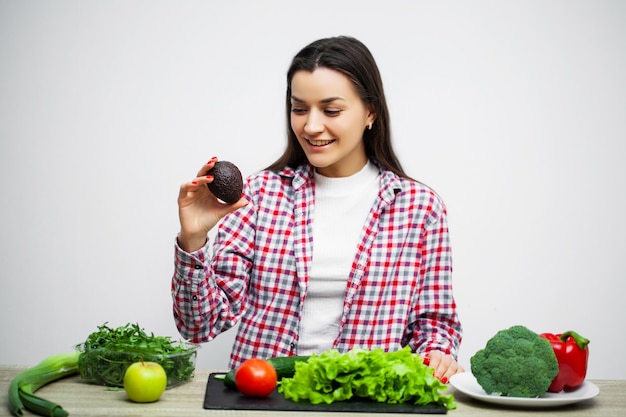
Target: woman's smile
[{"x": 319, "y": 143}]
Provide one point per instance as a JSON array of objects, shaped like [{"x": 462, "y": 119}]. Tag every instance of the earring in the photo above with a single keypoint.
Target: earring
[{"x": 370, "y": 126}]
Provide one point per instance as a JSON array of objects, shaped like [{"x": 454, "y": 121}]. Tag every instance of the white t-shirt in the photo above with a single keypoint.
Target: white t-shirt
[{"x": 341, "y": 207}]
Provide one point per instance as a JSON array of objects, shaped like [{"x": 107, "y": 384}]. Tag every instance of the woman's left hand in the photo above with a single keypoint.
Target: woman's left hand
[{"x": 444, "y": 365}]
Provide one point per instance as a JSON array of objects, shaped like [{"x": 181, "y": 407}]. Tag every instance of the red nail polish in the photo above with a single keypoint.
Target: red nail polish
[
  {"x": 212, "y": 160},
  {"x": 209, "y": 177},
  {"x": 444, "y": 380},
  {"x": 194, "y": 182},
  {"x": 427, "y": 361}
]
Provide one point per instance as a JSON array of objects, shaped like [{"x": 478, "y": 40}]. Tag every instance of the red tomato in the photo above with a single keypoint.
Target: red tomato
[{"x": 256, "y": 378}]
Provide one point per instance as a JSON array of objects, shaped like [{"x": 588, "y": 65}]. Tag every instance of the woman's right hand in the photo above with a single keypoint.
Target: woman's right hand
[{"x": 199, "y": 210}]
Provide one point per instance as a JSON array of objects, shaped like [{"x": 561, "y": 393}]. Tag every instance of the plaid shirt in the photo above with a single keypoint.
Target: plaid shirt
[{"x": 399, "y": 291}]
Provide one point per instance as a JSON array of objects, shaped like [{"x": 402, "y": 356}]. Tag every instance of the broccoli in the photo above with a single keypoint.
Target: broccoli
[{"x": 516, "y": 362}]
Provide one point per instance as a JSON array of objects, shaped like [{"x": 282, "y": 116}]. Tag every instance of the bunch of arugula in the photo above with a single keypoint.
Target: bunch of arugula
[
  {"x": 107, "y": 353},
  {"x": 391, "y": 377}
]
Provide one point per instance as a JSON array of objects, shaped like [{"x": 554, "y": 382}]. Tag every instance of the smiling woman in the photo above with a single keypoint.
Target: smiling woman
[{"x": 333, "y": 245}]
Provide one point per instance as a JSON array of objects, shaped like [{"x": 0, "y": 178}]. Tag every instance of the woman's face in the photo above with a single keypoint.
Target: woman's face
[{"x": 328, "y": 117}]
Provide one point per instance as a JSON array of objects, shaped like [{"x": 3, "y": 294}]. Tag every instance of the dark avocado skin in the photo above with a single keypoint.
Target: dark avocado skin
[{"x": 227, "y": 182}]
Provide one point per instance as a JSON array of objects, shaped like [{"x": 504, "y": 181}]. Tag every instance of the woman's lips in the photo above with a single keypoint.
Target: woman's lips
[{"x": 319, "y": 143}]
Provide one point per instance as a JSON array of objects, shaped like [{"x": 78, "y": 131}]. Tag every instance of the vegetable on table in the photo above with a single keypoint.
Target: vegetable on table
[
  {"x": 284, "y": 366},
  {"x": 24, "y": 385},
  {"x": 516, "y": 362},
  {"x": 391, "y": 377},
  {"x": 256, "y": 378},
  {"x": 107, "y": 353},
  {"x": 572, "y": 354},
  {"x": 103, "y": 357}
]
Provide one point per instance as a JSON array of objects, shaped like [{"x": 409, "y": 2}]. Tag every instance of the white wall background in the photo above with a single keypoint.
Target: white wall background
[{"x": 514, "y": 111}]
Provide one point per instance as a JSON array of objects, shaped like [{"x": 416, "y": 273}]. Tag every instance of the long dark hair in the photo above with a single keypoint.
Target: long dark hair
[{"x": 350, "y": 57}]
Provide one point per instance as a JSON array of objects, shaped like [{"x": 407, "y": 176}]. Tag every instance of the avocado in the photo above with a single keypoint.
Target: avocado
[{"x": 227, "y": 182}]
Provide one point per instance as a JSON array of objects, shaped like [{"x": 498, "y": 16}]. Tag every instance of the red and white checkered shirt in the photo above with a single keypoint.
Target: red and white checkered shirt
[{"x": 399, "y": 291}]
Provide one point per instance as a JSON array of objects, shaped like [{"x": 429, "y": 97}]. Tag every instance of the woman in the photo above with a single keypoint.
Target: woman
[{"x": 333, "y": 245}]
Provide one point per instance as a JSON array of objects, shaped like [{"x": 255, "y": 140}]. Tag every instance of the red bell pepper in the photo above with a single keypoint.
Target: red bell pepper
[{"x": 572, "y": 353}]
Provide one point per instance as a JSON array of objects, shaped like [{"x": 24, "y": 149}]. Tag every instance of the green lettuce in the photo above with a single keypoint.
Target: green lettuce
[{"x": 391, "y": 377}]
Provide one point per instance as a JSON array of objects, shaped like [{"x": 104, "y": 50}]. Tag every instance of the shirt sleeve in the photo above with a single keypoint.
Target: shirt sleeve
[
  {"x": 438, "y": 326},
  {"x": 189, "y": 285},
  {"x": 209, "y": 285}
]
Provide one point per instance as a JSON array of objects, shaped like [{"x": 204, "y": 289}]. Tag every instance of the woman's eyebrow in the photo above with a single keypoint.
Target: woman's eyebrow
[{"x": 324, "y": 101}]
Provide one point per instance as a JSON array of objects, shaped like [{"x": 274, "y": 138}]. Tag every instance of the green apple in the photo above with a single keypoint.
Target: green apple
[{"x": 144, "y": 382}]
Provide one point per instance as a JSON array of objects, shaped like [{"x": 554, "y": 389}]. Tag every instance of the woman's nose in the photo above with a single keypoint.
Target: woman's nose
[{"x": 314, "y": 123}]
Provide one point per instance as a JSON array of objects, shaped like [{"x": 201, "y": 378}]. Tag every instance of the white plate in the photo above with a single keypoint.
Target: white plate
[{"x": 467, "y": 384}]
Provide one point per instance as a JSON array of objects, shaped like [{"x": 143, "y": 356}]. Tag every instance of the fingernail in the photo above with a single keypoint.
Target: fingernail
[
  {"x": 444, "y": 380},
  {"x": 209, "y": 177},
  {"x": 194, "y": 182},
  {"x": 427, "y": 361},
  {"x": 212, "y": 160}
]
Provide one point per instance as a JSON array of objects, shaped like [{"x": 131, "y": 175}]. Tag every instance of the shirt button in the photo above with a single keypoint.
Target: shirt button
[
  {"x": 197, "y": 266},
  {"x": 194, "y": 298}
]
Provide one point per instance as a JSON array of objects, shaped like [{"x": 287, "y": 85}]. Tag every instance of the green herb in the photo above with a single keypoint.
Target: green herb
[
  {"x": 391, "y": 377},
  {"x": 107, "y": 353}
]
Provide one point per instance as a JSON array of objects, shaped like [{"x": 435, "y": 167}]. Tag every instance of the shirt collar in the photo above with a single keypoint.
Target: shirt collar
[{"x": 390, "y": 183}]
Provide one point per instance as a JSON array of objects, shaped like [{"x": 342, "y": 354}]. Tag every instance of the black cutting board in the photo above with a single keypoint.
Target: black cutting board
[{"x": 217, "y": 397}]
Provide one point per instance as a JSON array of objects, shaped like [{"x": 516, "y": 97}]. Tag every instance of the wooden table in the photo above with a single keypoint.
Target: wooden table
[{"x": 88, "y": 400}]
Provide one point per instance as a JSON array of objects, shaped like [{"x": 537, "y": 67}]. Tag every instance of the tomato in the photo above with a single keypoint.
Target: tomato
[{"x": 256, "y": 378}]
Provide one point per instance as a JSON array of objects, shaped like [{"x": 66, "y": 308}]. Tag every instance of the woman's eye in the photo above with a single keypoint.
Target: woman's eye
[
  {"x": 332, "y": 112},
  {"x": 298, "y": 110}
]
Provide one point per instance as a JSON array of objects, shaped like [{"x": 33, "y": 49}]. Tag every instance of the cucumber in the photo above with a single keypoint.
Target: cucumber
[
  {"x": 228, "y": 379},
  {"x": 285, "y": 367}
]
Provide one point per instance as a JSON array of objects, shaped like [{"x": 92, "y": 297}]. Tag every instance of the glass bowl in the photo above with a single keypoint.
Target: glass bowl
[{"x": 107, "y": 367}]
